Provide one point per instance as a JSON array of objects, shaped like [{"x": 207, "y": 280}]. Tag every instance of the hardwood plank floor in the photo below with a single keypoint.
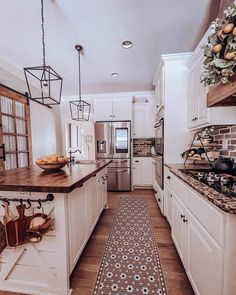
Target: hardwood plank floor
[{"x": 85, "y": 273}]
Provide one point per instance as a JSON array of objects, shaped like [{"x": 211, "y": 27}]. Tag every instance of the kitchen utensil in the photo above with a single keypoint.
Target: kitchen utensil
[
  {"x": 3, "y": 239},
  {"x": 22, "y": 224},
  {"x": 223, "y": 165},
  {"x": 39, "y": 225},
  {"x": 10, "y": 227}
]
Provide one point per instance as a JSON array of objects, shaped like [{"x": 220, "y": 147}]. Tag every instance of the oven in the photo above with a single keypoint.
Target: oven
[
  {"x": 159, "y": 136},
  {"x": 159, "y": 170},
  {"x": 159, "y": 148}
]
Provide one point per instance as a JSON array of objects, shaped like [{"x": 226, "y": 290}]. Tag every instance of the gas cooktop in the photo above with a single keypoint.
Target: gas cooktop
[{"x": 222, "y": 183}]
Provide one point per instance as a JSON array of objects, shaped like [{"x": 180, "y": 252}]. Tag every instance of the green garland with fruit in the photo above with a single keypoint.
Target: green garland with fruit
[{"x": 220, "y": 51}]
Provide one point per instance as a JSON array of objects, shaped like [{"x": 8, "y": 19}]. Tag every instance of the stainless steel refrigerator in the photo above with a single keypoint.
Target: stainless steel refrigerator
[{"x": 113, "y": 141}]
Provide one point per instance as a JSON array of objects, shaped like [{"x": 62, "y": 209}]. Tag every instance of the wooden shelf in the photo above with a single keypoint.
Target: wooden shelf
[{"x": 222, "y": 94}]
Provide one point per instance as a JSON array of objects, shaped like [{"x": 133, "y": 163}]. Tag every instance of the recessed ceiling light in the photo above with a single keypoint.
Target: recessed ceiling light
[
  {"x": 127, "y": 44},
  {"x": 114, "y": 74}
]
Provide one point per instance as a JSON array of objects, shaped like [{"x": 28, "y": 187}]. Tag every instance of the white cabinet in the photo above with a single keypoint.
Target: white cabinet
[
  {"x": 122, "y": 109},
  {"x": 198, "y": 112},
  {"x": 178, "y": 228},
  {"x": 103, "y": 110},
  {"x": 77, "y": 214},
  {"x": 142, "y": 171},
  {"x": 204, "y": 259},
  {"x": 203, "y": 238},
  {"x": 85, "y": 205},
  {"x": 140, "y": 115},
  {"x": 113, "y": 109},
  {"x": 168, "y": 195},
  {"x": 144, "y": 118},
  {"x": 159, "y": 87}
]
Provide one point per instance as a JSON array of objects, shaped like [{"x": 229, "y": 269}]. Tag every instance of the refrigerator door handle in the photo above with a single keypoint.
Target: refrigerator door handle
[
  {"x": 113, "y": 139},
  {"x": 110, "y": 147}
]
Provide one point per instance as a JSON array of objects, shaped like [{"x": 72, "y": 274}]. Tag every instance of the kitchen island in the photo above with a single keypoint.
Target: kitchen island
[{"x": 80, "y": 195}]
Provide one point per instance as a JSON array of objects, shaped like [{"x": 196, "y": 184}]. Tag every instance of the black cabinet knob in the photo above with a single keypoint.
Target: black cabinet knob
[
  {"x": 168, "y": 177},
  {"x": 158, "y": 199},
  {"x": 182, "y": 216}
]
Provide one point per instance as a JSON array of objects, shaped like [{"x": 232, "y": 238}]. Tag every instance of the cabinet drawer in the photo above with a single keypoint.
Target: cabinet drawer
[
  {"x": 210, "y": 218},
  {"x": 179, "y": 188}
]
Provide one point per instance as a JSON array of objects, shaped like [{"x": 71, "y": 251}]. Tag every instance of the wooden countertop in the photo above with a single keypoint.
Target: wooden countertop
[{"x": 34, "y": 179}]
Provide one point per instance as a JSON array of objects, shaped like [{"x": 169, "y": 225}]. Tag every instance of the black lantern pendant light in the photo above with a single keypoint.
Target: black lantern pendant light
[
  {"x": 44, "y": 84},
  {"x": 80, "y": 109}
]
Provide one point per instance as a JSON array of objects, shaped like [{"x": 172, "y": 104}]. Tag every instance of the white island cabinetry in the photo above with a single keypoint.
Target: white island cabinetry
[{"x": 45, "y": 267}]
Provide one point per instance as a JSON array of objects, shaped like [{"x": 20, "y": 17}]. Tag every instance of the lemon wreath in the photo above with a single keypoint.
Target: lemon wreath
[{"x": 220, "y": 51}]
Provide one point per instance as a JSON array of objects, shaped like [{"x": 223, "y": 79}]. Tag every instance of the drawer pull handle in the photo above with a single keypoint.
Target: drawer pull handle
[
  {"x": 182, "y": 216},
  {"x": 185, "y": 220}
]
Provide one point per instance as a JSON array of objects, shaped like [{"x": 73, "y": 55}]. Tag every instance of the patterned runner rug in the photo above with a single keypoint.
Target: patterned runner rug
[{"x": 131, "y": 263}]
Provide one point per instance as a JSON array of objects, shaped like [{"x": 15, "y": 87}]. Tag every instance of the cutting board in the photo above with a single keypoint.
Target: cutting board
[{"x": 3, "y": 240}]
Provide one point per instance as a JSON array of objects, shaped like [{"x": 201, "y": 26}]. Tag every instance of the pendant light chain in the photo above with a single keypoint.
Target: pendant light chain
[
  {"x": 43, "y": 33},
  {"x": 79, "y": 75}
]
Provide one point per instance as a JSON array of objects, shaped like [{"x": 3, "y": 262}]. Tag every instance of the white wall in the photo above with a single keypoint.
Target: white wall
[{"x": 45, "y": 130}]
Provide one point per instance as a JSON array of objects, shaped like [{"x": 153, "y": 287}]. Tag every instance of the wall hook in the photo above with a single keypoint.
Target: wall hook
[
  {"x": 40, "y": 204},
  {"x": 29, "y": 204}
]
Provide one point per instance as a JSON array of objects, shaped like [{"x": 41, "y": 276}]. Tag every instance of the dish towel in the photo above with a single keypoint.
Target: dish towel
[{"x": 3, "y": 241}]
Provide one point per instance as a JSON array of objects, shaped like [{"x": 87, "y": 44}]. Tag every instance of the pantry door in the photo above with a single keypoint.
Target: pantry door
[{"x": 15, "y": 134}]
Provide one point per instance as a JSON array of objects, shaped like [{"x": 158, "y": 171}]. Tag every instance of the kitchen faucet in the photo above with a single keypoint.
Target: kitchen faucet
[{"x": 71, "y": 159}]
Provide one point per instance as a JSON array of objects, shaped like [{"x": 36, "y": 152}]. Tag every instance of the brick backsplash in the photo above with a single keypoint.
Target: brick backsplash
[
  {"x": 142, "y": 147},
  {"x": 225, "y": 138}
]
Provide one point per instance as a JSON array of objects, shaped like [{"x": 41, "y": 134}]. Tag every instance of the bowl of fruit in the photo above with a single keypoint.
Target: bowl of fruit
[{"x": 52, "y": 162}]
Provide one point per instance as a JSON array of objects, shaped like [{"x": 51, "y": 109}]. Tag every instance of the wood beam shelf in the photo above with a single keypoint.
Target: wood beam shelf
[{"x": 222, "y": 94}]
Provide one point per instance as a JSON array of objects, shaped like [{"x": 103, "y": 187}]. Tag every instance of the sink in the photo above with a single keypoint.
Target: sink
[{"x": 88, "y": 161}]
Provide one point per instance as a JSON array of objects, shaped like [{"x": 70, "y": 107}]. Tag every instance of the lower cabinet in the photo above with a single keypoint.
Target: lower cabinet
[
  {"x": 142, "y": 171},
  {"x": 178, "y": 229},
  {"x": 203, "y": 237},
  {"x": 168, "y": 197},
  {"x": 85, "y": 205},
  {"x": 204, "y": 259}
]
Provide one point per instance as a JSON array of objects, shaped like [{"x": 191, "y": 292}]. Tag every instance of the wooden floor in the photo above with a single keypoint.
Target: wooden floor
[{"x": 84, "y": 275}]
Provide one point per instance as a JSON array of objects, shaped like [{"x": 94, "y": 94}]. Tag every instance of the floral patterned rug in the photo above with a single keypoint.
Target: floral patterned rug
[{"x": 131, "y": 263}]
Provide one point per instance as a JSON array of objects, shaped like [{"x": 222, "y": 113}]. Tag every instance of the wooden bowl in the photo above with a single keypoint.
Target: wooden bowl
[{"x": 51, "y": 166}]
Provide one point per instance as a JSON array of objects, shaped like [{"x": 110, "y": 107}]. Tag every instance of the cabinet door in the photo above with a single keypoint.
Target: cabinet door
[
  {"x": 137, "y": 172},
  {"x": 77, "y": 214},
  {"x": 178, "y": 228},
  {"x": 140, "y": 120},
  {"x": 93, "y": 204},
  {"x": 192, "y": 99},
  {"x": 204, "y": 259},
  {"x": 122, "y": 109},
  {"x": 203, "y": 116},
  {"x": 146, "y": 170},
  {"x": 103, "y": 110},
  {"x": 168, "y": 204}
]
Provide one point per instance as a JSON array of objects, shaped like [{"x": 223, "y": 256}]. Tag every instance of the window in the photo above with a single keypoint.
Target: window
[{"x": 14, "y": 130}]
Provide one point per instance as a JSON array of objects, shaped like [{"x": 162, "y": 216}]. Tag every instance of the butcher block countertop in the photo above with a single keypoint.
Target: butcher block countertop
[{"x": 34, "y": 179}]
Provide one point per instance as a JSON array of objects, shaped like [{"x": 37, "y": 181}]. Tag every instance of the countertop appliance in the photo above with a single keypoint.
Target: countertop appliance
[
  {"x": 221, "y": 182},
  {"x": 113, "y": 141},
  {"x": 159, "y": 148}
]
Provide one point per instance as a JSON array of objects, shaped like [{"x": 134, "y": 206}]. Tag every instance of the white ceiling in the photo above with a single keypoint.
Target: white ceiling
[{"x": 155, "y": 27}]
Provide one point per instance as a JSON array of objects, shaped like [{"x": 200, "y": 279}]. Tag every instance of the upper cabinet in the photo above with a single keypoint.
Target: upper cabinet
[
  {"x": 159, "y": 82},
  {"x": 199, "y": 114},
  {"x": 143, "y": 117},
  {"x": 113, "y": 109}
]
